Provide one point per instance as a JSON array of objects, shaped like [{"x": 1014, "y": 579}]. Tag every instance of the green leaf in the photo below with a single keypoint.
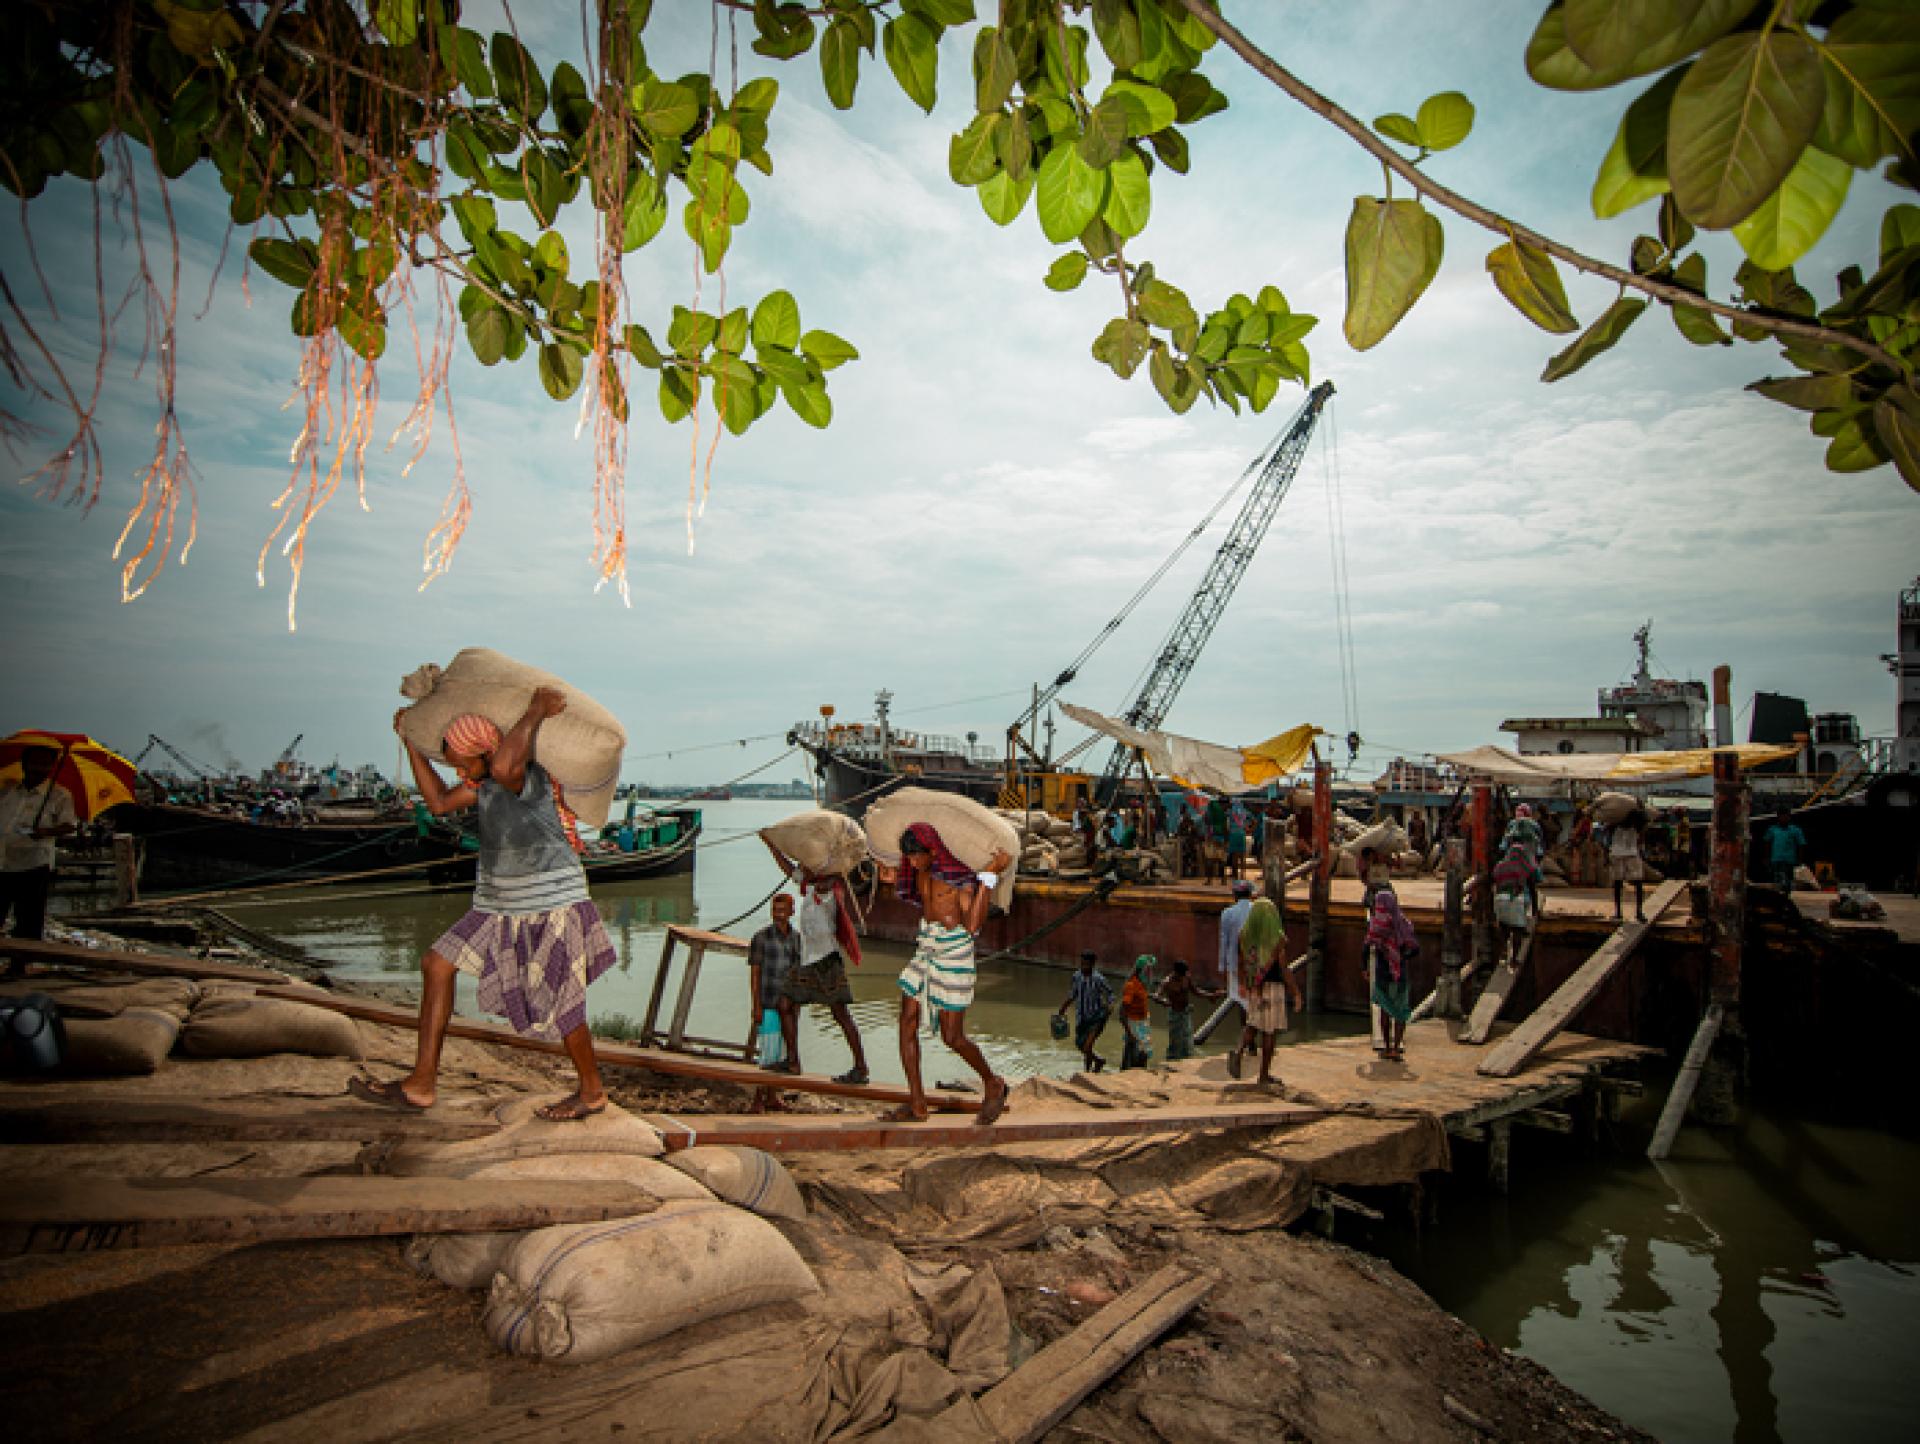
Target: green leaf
[
  {"x": 776, "y": 321},
  {"x": 1013, "y": 143},
  {"x": 1896, "y": 421},
  {"x": 571, "y": 108},
  {"x": 1067, "y": 272},
  {"x": 994, "y": 70},
  {"x": 646, "y": 212},
  {"x": 1742, "y": 115},
  {"x": 1445, "y": 120},
  {"x": 784, "y": 367},
  {"x": 1172, "y": 381},
  {"x": 840, "y": 61},
  {"x": 1789, "y": 221},
  {"x": 1806, "y": 393},
  {"x": 756, "y": 97},
  {"x": 1601, "y": 336},
  {"x": 1676, "y": 231},
  {"x": 1129, "y": 196},
  {"x": 470, "y": 64},
  {"x": 1872, "y": 65},
  {"x": 559, "y": 370},
  {"x": 1856, "y": 444},
  {"x": 1070, "y": 194},
  {"x": 972, "y": 155},
  {"x": 913, "y": 55},
  {"x": 1122, "y": 346},
  {"x": 1625, "y": 38},
  {"x": 1003, "y": 197},
  {"x": 732, "y": 337},
  {"x": 946, "y": 12},
  {"x": 1148, "y": 107},
  {"x": 487, "y": 333},
  {"x": 810, "y": 403},
  {"x": 1528, "y": 278},
  {"x": 1393, "y": 253},
  {"x": 367, "y": 338},
  {"x": 1117, "y": 28},
  {"x": 711, "y": 231},
  {"x": 1106, "y": 133},
  {"x": 641, "y": 346},
  {"x": 1700, "y": 327},
  {"x": 1635, "y": 168},
  {"x": 552, "y": 251},
  {"x": 288, "y": 262},
  {"x": 1899, "y": 228},
  {"x": 827, "y": 350},
  {"x": 678, "y": 393},
  {"x": 398, "y": 21},
  {"x": 691, "y": 332},
  {"x": 1164, "y": 305},
  {"x": 666, "y": 107},
  {"x": 518, "y": 78},
  {"x": 1395, "y": 126}
]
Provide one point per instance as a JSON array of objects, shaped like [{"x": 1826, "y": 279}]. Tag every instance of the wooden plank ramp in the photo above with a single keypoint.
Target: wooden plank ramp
[
  {"x": 658, "y": 1060},
  {"x": 837, "y": 1133},
  {"x": 1044, "y": 1390},
  {"x": 1517, "y": 1049},
  {"x": 63, "y": 1214},
  {"x": 35, "y": 1118},
  {"x": 1493, "y": 997},
  {"x": 123, "y": 960},
  {"x": 1688, "y": 1079}
]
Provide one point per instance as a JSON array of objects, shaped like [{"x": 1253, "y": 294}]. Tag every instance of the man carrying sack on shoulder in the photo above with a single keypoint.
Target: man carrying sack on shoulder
[{"x": 533, "y": 937}]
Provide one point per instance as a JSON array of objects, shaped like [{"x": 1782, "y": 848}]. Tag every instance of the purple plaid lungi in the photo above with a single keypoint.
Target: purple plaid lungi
[{"x": 533, "y": 968}]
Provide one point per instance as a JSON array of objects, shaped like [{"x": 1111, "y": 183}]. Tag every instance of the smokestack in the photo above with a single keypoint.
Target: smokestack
[{"x": 1723, "y": 706}]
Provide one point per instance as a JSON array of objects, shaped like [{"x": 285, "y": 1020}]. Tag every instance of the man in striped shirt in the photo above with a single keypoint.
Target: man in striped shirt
[{"x": 953, "y": 901}]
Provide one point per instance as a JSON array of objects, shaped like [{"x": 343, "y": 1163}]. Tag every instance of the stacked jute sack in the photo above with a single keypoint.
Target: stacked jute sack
[
  {"x": 1048, "y": 844},
  {"x": 697, "y": 1246},
  {"x": 131, "y": 1028},
  {"x": 826, "y": 844},
  {"x": 971, "y": 832},
  {"x": 1388, "y": 840},
  {"x": 580, "y": 748}
]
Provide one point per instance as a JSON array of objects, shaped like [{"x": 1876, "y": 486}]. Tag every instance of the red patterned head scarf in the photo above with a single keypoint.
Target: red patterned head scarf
[
  {"x": 471, "y": 735},
  {"x": 921, "y": 837}
]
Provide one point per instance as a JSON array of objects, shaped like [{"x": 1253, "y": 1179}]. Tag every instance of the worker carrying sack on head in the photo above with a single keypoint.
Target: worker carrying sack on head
[{"x": 532, "y": 938}]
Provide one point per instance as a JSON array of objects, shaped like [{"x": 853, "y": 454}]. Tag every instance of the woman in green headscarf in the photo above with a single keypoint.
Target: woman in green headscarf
[
  {"x": 1136, "y": 1014},
  {"x": 1265, "y": 982}
]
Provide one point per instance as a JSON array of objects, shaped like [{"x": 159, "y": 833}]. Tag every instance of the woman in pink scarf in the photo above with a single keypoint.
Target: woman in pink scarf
[{"x": 1391, "y": 949}]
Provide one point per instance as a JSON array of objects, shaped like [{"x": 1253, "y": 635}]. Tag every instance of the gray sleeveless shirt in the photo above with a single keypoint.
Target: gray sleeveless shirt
[{"x": 526, "y": 863}]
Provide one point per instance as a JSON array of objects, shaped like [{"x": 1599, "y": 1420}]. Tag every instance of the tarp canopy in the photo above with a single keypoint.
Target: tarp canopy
[
  {"x": 1502, "y": 765},
  {"x": 1207, "y": 764}
]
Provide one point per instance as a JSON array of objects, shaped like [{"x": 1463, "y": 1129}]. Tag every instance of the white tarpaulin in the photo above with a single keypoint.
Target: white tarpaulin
[
  {"x": 1204, "y": 764},
  {"x": 1614, "y": 768}
]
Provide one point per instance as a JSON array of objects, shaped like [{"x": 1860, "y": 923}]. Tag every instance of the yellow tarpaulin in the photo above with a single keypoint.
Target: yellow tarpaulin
[
  {"x": 1194, "y": 763},
  {"x": 1503, "y": 765}
]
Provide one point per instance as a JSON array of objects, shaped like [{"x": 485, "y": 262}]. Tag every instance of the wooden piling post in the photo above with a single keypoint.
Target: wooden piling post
[
  {"x": 1499, "y": 1153},
  {"x": 1485, "y": 935},
  {"x": 1453, "y": 951},
  {"x": 1320, "y": 890},
  {"x": 1718, "y": 1043},
  {"x": 126, "y": 871}
]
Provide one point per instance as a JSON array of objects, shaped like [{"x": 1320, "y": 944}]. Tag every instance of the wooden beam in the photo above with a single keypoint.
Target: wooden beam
[
  {"x": 122, "y": 960},
  {"x": 1518, "y": 1048},
  {"x": 1675, "y": 1111},
  {"x": 1540, "y": 1118},
  {"x": 626, "y": 1055},
  {"x": 723, "y": 942},
  {"x": 69, "y": 1214},
  {"x": 1493, "y": 997},
  {"x": 831, "y": 1133},
  {"x": 1486, "y": 933},
  {"x": 36, "y": 1118},
  {"x": 1045, "y": 1389},
  {"x": 1320, "y": 889}
]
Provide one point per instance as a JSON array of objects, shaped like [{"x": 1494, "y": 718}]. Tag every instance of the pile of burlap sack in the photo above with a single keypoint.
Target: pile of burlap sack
[
  {"x": 1050, "y": 847},
  {"x": 128, "y": 1028}
]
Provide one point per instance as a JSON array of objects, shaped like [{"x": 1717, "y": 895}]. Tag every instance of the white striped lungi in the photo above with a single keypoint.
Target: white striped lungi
[{"x": 940, "y": 974}]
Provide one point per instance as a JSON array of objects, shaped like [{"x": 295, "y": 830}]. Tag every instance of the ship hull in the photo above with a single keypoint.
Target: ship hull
[{"x": 850, "y": 786}]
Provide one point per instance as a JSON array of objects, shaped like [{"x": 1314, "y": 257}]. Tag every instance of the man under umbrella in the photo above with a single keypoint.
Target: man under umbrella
[{"x": 34, "y": 811}]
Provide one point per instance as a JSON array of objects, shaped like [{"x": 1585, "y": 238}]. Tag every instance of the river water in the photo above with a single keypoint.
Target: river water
[{"x": 1762, "y": 1284}]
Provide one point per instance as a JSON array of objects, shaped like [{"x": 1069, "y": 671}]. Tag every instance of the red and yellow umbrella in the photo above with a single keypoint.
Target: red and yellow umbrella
[{"x": 95, "y": 776}]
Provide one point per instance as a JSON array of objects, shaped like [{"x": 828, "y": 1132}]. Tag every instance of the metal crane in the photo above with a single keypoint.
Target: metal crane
[
  {"x": 1189, "y": 635},
  {"x": 194, "y": 769},
  {"x": 284, "y": 763}
]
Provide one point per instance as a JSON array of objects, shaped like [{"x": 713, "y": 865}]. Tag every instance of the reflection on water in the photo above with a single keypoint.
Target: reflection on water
[{"x": 1763, "y": 1284}]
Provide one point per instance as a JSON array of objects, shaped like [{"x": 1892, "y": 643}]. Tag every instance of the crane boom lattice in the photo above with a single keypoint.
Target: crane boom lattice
[{"x": 1188, "y": 638}]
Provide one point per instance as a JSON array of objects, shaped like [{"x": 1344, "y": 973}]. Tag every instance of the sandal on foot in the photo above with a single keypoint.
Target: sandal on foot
[
  {"x": 902, "y": 1114},
  {"x": 385, "y": 1095},
  {"x": 569, "y": 1110},
  {"x": 993, "y": 1105},
  {"x": 854, "y": 1077}
]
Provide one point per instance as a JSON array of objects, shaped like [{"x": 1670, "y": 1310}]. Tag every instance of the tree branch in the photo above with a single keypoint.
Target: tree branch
[{"x": 1425, "y": 185}]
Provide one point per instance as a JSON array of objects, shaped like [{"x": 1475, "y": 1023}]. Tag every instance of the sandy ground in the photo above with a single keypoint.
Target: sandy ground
[{"x": 1299, "y": 1340}]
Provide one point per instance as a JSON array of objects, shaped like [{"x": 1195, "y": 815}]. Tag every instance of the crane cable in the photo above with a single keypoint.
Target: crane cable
[{"x": 1342, "y": 576}]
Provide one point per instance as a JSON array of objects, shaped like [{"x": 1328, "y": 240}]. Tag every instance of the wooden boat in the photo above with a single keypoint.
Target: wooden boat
[
  {"x": 661, "y": 847},
  {"x": 190, "y": 847}
]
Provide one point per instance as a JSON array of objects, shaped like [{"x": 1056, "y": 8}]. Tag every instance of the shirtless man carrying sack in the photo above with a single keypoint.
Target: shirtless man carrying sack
[{"x": 953, "y": 901}]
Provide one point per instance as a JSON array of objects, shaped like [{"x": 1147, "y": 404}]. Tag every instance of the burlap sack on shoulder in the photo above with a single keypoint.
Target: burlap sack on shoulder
[
  {"x": 971, "y": 832},
  {"x": 826, "y": 844},
  {"x": 580, "y": 748}
]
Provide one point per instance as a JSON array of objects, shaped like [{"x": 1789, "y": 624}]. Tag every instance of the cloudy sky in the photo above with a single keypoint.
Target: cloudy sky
[{"x": 988, "y": 495}]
